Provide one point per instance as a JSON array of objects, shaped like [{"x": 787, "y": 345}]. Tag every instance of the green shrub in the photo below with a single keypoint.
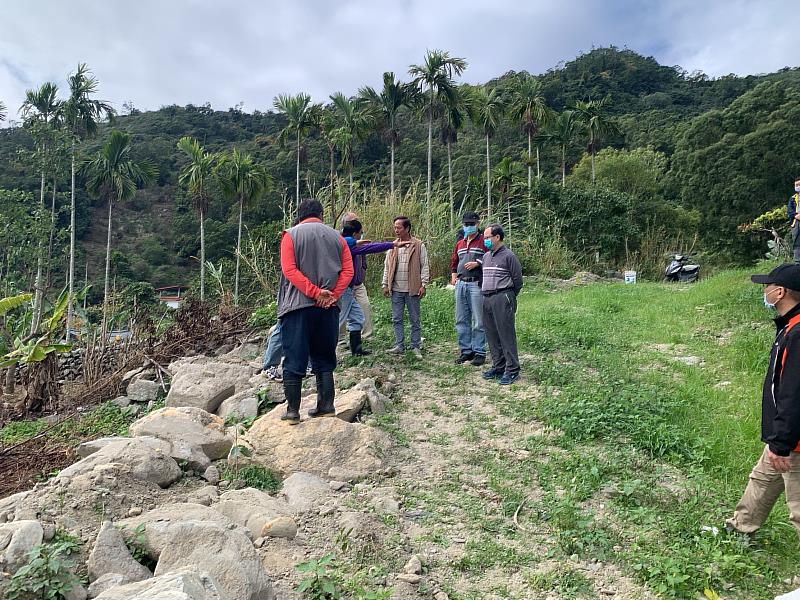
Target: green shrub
[{"x": 49, "y": 572}]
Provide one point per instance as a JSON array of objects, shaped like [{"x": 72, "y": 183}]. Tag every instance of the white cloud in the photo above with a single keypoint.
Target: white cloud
[{"x": 180, "y": 51}]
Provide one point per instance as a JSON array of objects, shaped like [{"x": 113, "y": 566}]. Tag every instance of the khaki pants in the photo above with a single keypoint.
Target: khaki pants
[{"x": 763, "y": 490}]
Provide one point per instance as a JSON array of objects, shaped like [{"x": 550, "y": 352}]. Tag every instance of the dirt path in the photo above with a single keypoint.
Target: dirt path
[{"x": 462, "y": 492}]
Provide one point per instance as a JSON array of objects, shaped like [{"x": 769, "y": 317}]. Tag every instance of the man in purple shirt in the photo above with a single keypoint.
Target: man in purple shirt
[{"x": 351, "y": 312}]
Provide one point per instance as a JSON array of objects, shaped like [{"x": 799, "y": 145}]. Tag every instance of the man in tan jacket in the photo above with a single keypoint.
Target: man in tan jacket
[{"x": 406, "y": 273}]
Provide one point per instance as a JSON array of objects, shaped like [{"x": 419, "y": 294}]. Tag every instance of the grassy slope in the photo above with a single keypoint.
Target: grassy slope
[{"x": 607, "y": 381}]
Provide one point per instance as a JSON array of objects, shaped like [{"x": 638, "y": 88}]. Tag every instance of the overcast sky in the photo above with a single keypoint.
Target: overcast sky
[{"x": 157, "y": 52}]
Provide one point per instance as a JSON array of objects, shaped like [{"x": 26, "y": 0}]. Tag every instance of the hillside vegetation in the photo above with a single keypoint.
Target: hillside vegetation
[{"x": 715, "y": 153}]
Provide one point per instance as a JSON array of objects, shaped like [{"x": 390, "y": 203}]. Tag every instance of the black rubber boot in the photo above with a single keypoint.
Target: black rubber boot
[
  {"x": 356, "y": 349},
  {"x": 292, "y": 388},
  {"x": 325, "y": 394}
]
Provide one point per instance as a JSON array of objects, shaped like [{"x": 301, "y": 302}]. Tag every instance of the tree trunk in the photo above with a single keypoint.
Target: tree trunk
[
  {"x": 508, "y": 212},
  {"x": 50, "y": 241},
  {"x": 530, "y": 169},
  {"x": 238, "y": 253},
  {"x": 202, "y": 256},
  {"x": 108, "y": 274},
  {"x": 450, "y": 183},
  {"x": 563, "y": 166},
  {"x": 38, "y": 290},
  {"x": 391, "y": 176},
  {"x": 71, "y": 276},
  {"x": 488, "y": 181},
  {"x": 350, "y": 197},
  {"x": 11, "y": 380},
  {"x": 538, "y": 170},
  {"x": 297, "y": 184},
  {"x": 591, "y": 153},
  {"x": 430, "y": 150},
  {"x": 331, "y": 149}
]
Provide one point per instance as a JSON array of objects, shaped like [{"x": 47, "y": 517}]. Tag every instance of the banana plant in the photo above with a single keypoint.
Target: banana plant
[
  {"x": 39, "y": 352},
  {"x": 14, "y": 324}
]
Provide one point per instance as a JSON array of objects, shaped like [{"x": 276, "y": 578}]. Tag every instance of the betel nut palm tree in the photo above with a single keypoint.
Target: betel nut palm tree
[
  {"x": 562, "y": 133},
  {"x": 196, "y": 177},
  {"x": 386, "y": 106},
  {"x": 82, "y": 115},
  {"x": 112, "y": 174},
  {"x": 301, "y": 115},
  {"x": 435, "y": 78},
  {"x": 486, "y": 110},
  {"x": 353, "y": 124},
  {"x": 244, "y": 180},
  {"x": 595, "y": 123},
  {"x": 41, "y": 111}
]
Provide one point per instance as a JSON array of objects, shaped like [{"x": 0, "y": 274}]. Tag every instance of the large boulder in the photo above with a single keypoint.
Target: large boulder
[
  {"x": 111, "y": 555},
  {"x": 185, "y": 584},
  {"x": 325, "y": 447},
  {"x": 227, "y": 555},
  {"x": 159, "y": 522},
  {"x": 147, "y": 457},
  {"x": 303, "y": 491},
  {"x": 16, "y": 540},
  {"x": 259, "y": 513},
  {"x": 194, "y": 435},
  {"x": 106, "y": 582},
  {"x": 206, "y": 384}
]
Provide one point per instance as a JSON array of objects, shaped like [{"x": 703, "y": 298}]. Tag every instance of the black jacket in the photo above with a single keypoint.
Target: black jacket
[{"x": 780, "y": 400}]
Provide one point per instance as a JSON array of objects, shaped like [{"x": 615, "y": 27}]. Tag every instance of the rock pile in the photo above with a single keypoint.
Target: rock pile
[{"x": 197, "y": 535}]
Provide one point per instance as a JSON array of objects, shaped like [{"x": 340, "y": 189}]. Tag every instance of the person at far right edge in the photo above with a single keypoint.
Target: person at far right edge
[
  {"x": 502, "y": 282},
  {"x": 778, "y": 468}
]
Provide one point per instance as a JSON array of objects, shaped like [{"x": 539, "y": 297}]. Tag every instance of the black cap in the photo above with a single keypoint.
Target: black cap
[
  {"x": 786, "y": 275},
  {"x": 471, "y": 217}
]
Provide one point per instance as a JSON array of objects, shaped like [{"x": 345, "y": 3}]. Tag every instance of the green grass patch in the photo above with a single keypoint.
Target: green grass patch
[{"x": 255, "y": 476}]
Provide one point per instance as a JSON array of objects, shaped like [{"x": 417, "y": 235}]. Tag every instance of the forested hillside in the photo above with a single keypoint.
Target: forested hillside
[{"x": 714, "y": 154}]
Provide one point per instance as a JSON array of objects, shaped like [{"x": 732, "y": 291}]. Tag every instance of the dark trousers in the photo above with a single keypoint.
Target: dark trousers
[
  {"x": 310, "y": 333},
  {"x": 796, "y": 241},
  {"x": 498, "y": 320}
]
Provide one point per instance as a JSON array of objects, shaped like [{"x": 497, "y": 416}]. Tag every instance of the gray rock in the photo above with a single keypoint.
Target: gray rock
[
  {"x": 111, "y": 555},
  {"x": 106, "y": 582},
  {"x": 317, "y": 445},
  {"x": 226, "y": 555},
  {"x": 76, "y": 592},
  {"x": 143, "y": 391},
  {"x": 206, "y": 384},
  {"x": 239, "y": 406},
  {"x": 147, "y": 457},
  {"x": 303, "y": 491},
  {"x": 121, "y": 401},
  {"x": 257, "y": 512},
  {"x": 195, "y": 436},
  {"x": 159, "y": 521},
  {"x": 24, "y": 536},
  {"x": 206, "y": 495},
  {"x": 183, "y": 584},
  {"x": 211, "y": 475},
  {"x": 414, "y": 565},
  {"x": 377, "y": 400}
]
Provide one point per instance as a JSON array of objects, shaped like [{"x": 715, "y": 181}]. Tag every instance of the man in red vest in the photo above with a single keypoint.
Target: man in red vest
[{"x": 778, "y": 469}]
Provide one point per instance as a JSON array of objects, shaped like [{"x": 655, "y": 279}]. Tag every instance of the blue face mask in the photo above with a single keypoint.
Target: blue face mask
[
  {"x": 470, "y": 229},
  {"x": 767, "y": 303},
  {"x": 488, "y": 243}
]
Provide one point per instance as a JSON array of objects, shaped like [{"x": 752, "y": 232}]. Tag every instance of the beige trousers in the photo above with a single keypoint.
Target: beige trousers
[
  {"x": 360, "y": 294},
  {"x": 763, "y": 490}
]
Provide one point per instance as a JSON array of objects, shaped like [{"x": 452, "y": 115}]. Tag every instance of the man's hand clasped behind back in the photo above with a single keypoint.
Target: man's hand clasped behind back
[{"x": 325, "y": 299}]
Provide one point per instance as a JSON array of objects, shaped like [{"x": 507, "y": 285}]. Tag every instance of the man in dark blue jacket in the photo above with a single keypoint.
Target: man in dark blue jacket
[
  {"x": 794, "y": 220},
  {"x": 778, "y": 469}
]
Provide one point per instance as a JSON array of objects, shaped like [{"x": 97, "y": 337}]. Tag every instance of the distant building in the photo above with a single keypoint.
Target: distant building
[{"x": 172, "y": 295}]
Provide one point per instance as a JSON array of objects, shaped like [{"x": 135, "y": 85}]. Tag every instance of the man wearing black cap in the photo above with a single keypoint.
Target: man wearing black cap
[
  {"x": 465, "y": 267},
  {"x": 778, "y": 469}
]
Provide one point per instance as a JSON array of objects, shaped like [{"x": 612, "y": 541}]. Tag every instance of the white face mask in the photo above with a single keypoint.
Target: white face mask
[
  {"x": 797, "y": 188},
  {"x": 767, "y": 303}
]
